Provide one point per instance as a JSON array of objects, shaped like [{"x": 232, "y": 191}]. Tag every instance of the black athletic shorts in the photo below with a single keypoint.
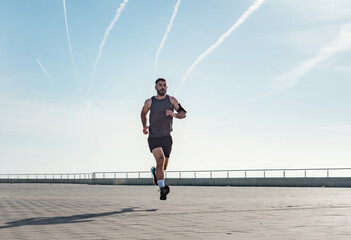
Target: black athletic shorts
[{"x": 164, "y": 142}]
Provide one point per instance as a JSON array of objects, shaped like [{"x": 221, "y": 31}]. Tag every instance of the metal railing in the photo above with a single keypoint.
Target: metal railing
[
  {"x": 47, "y": 176},
  {"x": 245, "y": 173}
]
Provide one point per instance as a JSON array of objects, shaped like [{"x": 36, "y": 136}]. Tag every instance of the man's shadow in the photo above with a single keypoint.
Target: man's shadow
[{"x": 68, "y": 219}]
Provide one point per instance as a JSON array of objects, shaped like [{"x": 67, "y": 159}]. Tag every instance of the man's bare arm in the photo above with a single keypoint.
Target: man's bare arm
[
  {"x": 181, "y": 112},
  {"x": 143, "y": 115}
]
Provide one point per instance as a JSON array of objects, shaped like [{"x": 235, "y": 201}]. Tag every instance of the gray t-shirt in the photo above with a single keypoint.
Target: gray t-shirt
[{"x": 160, "y": 124}]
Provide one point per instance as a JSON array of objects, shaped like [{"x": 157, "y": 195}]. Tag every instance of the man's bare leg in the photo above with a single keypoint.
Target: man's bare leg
[
  {"x": 165, "y": 164},
  {"x": 160, "y": 164},
  {"x": 160, "y": 160}
]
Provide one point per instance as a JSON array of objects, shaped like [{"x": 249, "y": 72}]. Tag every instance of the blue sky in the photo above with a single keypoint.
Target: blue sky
[{"x": 274, "y": 94}]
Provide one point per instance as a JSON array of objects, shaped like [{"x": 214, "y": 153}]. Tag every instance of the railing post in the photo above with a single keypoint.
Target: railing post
[
  {"x": 180, "y": 174},
  {"x": 264, "y": 174},
  {"x": 305, "y": 173},
  {"x": 138, "y": 174},
  {"x": 126, "y": 175},
  {"x": 328, "y": 173},
  {"x": 283, "y": 173},
  {"x": 211, "y": 174},
  {"x": 245, "y": 174},
  {"x": 227, "y": 174},
  {"x": 194, "y": 174},
  {"x": 115, "y": 175}
]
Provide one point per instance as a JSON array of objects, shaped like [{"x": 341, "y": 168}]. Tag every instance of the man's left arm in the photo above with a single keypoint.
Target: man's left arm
[{"x": 181, "y": 111}]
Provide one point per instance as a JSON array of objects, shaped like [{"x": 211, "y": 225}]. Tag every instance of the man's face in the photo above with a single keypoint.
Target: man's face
[{"x": 161, "y": 88}]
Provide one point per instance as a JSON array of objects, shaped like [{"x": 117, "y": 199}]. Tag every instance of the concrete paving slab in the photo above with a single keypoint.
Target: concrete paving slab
[{"x": 64, "y": 211}]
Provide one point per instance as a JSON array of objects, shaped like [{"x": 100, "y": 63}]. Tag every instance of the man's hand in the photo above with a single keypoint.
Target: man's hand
[
  {"x": 170, "y": 113},
  {"x": 145, "y": 130}
]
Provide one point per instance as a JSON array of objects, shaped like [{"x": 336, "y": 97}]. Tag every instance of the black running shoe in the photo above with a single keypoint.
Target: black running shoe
[
  {"x": 163, "y": 192},
  {"x": 153, "y": 171}
]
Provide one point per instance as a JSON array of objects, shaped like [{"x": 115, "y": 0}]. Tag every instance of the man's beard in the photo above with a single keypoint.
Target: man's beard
[{"x": 161, "y": 92}]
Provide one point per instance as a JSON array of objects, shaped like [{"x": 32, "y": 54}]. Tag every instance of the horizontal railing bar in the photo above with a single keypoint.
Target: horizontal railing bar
[
  {"x": 261, "y": 170},
  {"x": 129, "y": 172},
  {"x": 93, "y": 174},
  {"x": 238, "y": 170},
  {"x": 42, "y": 173}
]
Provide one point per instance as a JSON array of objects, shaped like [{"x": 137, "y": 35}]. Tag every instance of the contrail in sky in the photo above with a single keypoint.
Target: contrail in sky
[
  {"x": 241, "y": 20},
  {"x": 175, "y": 11},
  {"x": 52, "y": 82},
  {"x": 107, "y": 32},
  {"x": 69, "y": 41},
  {"x": 44, "y": 71}
]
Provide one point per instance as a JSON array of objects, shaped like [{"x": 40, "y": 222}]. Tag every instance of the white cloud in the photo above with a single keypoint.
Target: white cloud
[
  {"x": 321, "y": 10},
  {"x": 341, "y": 128},
  {"x": 41, "y": 137},
  {"x": 52, "y": 136},
  {"x": 289, "y": 79},
  {"x": 343, "y": 69},
  {"x": 307, "y": 40},
  {"x": 261, "y": 137}
]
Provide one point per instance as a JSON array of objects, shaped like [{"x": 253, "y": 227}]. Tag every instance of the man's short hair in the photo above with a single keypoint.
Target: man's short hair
[{"x": 160, "y": 79}]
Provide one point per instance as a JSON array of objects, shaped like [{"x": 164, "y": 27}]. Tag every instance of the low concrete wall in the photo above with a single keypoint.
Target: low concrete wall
[
  {"x": 263, "y": 182},
  {"x": 249, "y": 182}
]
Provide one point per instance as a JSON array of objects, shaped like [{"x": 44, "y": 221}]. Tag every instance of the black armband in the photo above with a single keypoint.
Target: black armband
[{"x": 180, "y": 109}]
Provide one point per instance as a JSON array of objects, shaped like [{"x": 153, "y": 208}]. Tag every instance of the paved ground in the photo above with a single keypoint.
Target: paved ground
[{"x": 62, "y": 211}]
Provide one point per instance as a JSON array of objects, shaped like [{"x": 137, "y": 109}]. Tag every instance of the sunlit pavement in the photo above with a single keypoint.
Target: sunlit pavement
[{"x": 63, "y": 211}]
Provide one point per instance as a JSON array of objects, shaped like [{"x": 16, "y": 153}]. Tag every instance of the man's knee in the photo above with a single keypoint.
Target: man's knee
[
  {"x": 160, "y": 162},
  {"x": 161, "y": 159}
]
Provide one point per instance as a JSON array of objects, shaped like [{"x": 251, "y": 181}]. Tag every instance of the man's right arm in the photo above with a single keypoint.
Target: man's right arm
[{"x": 143, "y": 115}]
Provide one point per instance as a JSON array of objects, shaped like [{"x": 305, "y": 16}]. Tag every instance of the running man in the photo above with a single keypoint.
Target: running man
[{"x": 160, "y": 141}]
